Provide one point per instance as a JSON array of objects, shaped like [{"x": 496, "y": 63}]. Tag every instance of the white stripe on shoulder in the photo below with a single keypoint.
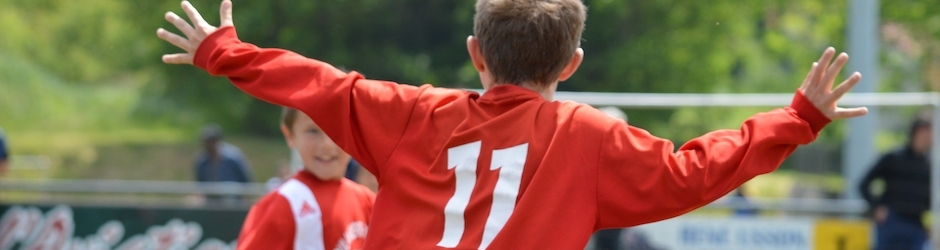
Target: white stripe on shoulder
[{"x": 307, "y": 215}]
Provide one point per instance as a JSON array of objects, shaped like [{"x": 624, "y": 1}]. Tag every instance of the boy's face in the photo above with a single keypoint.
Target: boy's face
[
  {"x": 923, "y": 137},
  {"x": 318, "y": 153}
]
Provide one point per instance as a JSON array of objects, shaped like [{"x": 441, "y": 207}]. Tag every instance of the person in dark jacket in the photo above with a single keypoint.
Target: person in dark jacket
[
  {"x": 897, "y": 212},
  {"x": 219, "y": 161}
]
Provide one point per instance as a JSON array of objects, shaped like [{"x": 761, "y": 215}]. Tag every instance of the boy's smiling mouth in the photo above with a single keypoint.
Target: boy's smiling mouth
[{"x": 325, "y": 159}]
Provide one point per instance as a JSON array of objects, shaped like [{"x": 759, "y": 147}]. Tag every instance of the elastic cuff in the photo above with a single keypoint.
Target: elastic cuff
[
  {"x": 808, "y": 112},
  {"x": 212, "y": 42}
]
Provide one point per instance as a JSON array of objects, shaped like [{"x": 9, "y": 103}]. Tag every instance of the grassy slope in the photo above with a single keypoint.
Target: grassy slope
[{"x": 88, "y": 131}]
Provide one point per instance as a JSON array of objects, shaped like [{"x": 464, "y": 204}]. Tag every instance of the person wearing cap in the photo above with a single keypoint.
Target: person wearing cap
[
  {"x": 897, "y": 212},
  {"x": 219, "y": 161}
]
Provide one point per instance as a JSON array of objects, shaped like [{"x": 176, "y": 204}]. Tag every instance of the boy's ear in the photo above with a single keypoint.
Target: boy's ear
[
  {"x": 572, "y": 65},
  {"x": 476, "y": 56},
  {"x": 288, "y": 136}
]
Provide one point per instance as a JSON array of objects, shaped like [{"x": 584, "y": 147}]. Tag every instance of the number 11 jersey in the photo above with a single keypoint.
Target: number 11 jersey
[{"x": 506, "y": 169}]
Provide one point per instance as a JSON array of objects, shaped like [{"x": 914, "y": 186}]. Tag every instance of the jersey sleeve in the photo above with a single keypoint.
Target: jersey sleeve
[
  {"x": 366, "y": 118},
  {"x": 269, "y": 225},
  {"x": 641, "y": 179}
]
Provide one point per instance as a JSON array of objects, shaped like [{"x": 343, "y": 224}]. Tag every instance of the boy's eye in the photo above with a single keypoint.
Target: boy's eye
[{"x": 313, "y": 131}]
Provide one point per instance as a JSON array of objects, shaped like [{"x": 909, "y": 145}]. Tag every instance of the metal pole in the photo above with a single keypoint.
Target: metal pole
[
  {"x": 935, "y": 176},
  {"x": 862, "y": 41}
]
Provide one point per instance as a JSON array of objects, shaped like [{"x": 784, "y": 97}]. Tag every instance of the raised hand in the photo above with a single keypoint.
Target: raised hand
[
  {"x": 817, "y": 87},
  {"x": 194, "y": 33}
]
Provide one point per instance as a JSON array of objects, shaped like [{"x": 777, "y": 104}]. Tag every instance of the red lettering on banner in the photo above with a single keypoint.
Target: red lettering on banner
[
  {"x": 32, "y": 230},
  {"x": 56, "y": 232}
]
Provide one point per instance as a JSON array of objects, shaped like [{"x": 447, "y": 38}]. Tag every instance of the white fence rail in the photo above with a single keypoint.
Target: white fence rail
[{"x": 105, "y": 188}]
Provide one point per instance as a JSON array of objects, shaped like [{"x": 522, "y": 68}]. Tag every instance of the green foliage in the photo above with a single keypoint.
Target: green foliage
[
  {"x": 703, "y": 47},
  {"x": 81, "y": 42},
  {"x": 406, "y": 41}
]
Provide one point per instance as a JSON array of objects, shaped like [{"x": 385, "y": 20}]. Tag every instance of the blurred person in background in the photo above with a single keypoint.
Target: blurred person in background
[
  {"x": 898, "y": 211},
  {"x": 744, "y": 207},
  {"x": 4, "y": 154},
  {"x": 219, "y": 161}
]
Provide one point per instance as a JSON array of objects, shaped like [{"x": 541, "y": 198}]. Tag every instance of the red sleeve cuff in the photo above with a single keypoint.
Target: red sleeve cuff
[
  {"x": 808, "y": 112},
  {"x": 212, "y": 43}
]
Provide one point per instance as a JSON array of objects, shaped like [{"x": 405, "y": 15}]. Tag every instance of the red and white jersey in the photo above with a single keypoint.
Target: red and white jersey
[
  {"x": 508, "y": 169},
  {"x": 308, "y": 213}
]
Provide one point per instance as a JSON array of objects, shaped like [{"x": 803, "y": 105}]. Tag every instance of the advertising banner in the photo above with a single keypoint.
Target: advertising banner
[
  {"x": 127, "y": 228},
  {"x": 746, "y": 233},
  {"x": 85, "y": 227}
]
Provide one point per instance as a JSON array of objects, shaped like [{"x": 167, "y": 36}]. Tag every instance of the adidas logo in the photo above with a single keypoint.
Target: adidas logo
[{"x": 306, "y": 209}]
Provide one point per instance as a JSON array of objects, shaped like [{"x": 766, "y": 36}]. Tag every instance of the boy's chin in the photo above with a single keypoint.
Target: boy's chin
[{"x": 328, "y": 173}]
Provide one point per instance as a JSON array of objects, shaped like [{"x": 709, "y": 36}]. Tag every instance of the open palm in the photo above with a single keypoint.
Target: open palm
[
  {"x": 195, "y": 33},
  {"x": 817, "y": 87}
]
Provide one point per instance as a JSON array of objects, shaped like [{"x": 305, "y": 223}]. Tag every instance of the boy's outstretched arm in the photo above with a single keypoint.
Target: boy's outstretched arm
[
  {"x": 641, "y": 179},
  {"x": 341, "y": 103}
]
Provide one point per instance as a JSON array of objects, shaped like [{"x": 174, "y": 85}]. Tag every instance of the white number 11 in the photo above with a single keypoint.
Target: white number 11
[{"x": 463, "y": 159}]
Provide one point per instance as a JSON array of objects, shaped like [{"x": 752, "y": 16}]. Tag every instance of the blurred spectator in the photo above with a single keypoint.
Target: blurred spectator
[
  {"x": 633, "y": 239},
  {"x": 744, "y": 207},
  {"x": 897, "y": 212},
  {"x": 4, "y": 154},
  {"x": 352, "y": 170},
  {"x": 219, "y": 161},
  {"x": 609, "y": 239}
]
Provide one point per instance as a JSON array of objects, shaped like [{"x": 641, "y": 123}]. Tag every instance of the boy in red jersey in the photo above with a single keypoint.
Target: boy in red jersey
[
  {"x": 510, "y": 169},
  {"x": 317, "y": 208}
]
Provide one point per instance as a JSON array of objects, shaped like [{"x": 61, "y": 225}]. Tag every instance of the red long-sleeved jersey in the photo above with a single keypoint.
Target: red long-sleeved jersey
[
  {"x": 508, "y": 169},
  {"x": 309, "y": 213}
]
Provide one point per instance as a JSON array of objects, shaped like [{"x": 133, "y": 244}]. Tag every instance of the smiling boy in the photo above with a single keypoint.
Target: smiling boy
[{"x": 316, "y": 209}]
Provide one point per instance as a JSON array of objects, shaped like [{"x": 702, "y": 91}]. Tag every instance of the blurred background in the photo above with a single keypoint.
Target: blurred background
[{"x": 84, "y": 95}]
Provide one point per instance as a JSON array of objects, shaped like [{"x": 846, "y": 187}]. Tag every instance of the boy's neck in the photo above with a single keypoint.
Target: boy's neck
[
  {"x": 546, "y": 91},
  {"x": 324, "y": 178}
]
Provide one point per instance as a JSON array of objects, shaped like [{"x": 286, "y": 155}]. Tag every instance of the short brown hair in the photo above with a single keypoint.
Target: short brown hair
[
  {"x": 924, "y": 119},
  {"x": 288, "y": 116},
  {"x": 528, "y": 40}
]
